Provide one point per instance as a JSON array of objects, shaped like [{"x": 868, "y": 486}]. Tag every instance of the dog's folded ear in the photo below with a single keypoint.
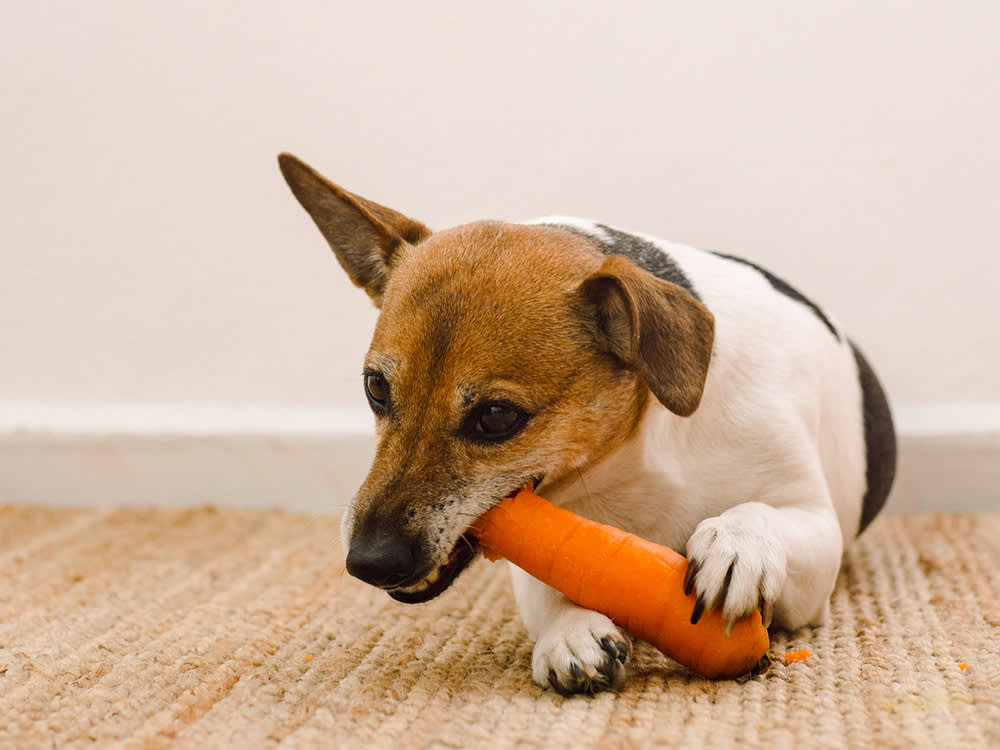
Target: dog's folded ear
[
  {"x": 654, "y": 327},
  {"x": 366, "y": 237}
]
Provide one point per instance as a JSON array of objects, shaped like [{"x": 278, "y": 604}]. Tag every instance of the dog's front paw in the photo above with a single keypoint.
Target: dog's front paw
[
  {"x": 581, "y": 652},
  {"x": 736, "y": 565}
]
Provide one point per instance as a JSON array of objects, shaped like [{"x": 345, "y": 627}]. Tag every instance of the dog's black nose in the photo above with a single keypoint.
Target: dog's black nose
[{"x": 381, "y": 560}]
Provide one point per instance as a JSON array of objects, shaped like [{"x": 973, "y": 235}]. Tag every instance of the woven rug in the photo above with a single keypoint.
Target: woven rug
[{"x": 221, "y": 628}]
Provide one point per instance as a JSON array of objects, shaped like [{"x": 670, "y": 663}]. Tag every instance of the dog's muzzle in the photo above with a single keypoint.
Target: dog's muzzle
[{"x": 397, "y": 565}]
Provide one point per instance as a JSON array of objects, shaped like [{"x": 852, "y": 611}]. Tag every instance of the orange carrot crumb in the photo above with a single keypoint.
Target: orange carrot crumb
[
  {"x": 308, "y": 657},
  {"x": 963, "y": 667},
  {"x": 800, "y": 654}
]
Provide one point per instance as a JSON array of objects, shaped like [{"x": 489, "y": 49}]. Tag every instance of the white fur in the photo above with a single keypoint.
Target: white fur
[{"x": 769, "y": 471}]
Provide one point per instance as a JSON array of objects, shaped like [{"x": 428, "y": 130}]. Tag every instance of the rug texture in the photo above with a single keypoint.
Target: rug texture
[{"x": 220, "y": 628}]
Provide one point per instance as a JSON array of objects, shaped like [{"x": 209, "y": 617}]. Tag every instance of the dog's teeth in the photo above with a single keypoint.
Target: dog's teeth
[
  {"x": 416, "y": 588},
  {"x": 423, "y": 585}
]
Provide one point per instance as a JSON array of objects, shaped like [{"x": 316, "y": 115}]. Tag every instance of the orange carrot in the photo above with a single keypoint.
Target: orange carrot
[{"x": 636, "y": 583}]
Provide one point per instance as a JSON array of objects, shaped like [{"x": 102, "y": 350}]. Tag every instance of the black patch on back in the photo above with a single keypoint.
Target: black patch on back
[
  {"x": 642, "y": 252},
  {"x": 783, "y": 287},
  {"x": 880, "y": 441}
]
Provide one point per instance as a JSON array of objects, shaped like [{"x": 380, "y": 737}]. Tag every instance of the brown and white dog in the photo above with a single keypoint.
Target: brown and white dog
[{"x": 690, "y": 397}]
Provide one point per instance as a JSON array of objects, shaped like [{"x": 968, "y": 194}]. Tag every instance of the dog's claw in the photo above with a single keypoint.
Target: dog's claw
[
  {"x": 618, "y": 650},
  {"x": 554, "y": 682},
  {"x": 699, "y": 609},
  {"x": 721, "y": 598},
  {"x": 767, "y": 613},
  {"x": 692, "y": 572},
  {"x": 611, "y": 674}
]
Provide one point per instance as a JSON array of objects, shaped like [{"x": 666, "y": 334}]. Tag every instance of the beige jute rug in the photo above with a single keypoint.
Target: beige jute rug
[{"x": 221, "y": 628}]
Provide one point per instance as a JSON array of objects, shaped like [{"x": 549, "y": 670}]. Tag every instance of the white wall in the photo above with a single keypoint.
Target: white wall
[{"x": 151, "y": 253}]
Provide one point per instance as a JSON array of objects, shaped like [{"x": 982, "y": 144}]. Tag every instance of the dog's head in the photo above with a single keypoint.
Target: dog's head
[{"x": 503, "y": 355}]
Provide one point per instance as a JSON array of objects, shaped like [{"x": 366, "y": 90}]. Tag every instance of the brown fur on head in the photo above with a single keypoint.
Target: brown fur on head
[{"x": 503, "y": 354}]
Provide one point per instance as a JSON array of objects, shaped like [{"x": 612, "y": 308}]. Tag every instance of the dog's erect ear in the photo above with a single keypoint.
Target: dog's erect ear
[
  {"x": 366, "y": 237},
  {"x": 654, "y": 327}
]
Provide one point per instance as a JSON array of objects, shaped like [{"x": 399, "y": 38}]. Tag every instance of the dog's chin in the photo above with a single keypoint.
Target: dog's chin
[
  {"x": 464, "y": 552},
  {"x": 442, "y": 576}
]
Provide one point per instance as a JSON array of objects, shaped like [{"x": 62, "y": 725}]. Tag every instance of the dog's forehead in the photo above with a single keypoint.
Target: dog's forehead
[
  {"x": 478, "y": 292},
  {"x": 486, "y": 263}
]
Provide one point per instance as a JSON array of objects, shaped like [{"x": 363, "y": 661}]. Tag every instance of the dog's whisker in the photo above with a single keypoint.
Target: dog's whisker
[
  {"x": 583, "y": 483},
  {"x": 465, "y": 540}
]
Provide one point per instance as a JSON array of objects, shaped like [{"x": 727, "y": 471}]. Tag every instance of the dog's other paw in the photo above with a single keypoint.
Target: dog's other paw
[
  {"x": 581, "y": 652},
  {"x": 736, "y": 565}
]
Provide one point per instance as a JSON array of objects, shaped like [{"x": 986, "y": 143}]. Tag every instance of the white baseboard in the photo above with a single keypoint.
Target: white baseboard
[
  {"x": 313, "y": 460},
  {"x": 308, "y": 460},
  {"x": 949, "y": 458}
]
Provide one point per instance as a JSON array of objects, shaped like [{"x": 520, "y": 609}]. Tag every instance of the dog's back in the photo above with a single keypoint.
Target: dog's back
[{"x": 780, "y": 365}]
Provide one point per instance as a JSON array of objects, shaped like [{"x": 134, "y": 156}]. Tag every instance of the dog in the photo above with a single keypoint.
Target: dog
[{"x": 687, "y": 396}]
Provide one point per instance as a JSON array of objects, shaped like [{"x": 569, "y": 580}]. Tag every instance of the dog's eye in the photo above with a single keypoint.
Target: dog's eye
[
  {"x": 377, "y": 390},
  {"x": 495, "y": 421}
]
